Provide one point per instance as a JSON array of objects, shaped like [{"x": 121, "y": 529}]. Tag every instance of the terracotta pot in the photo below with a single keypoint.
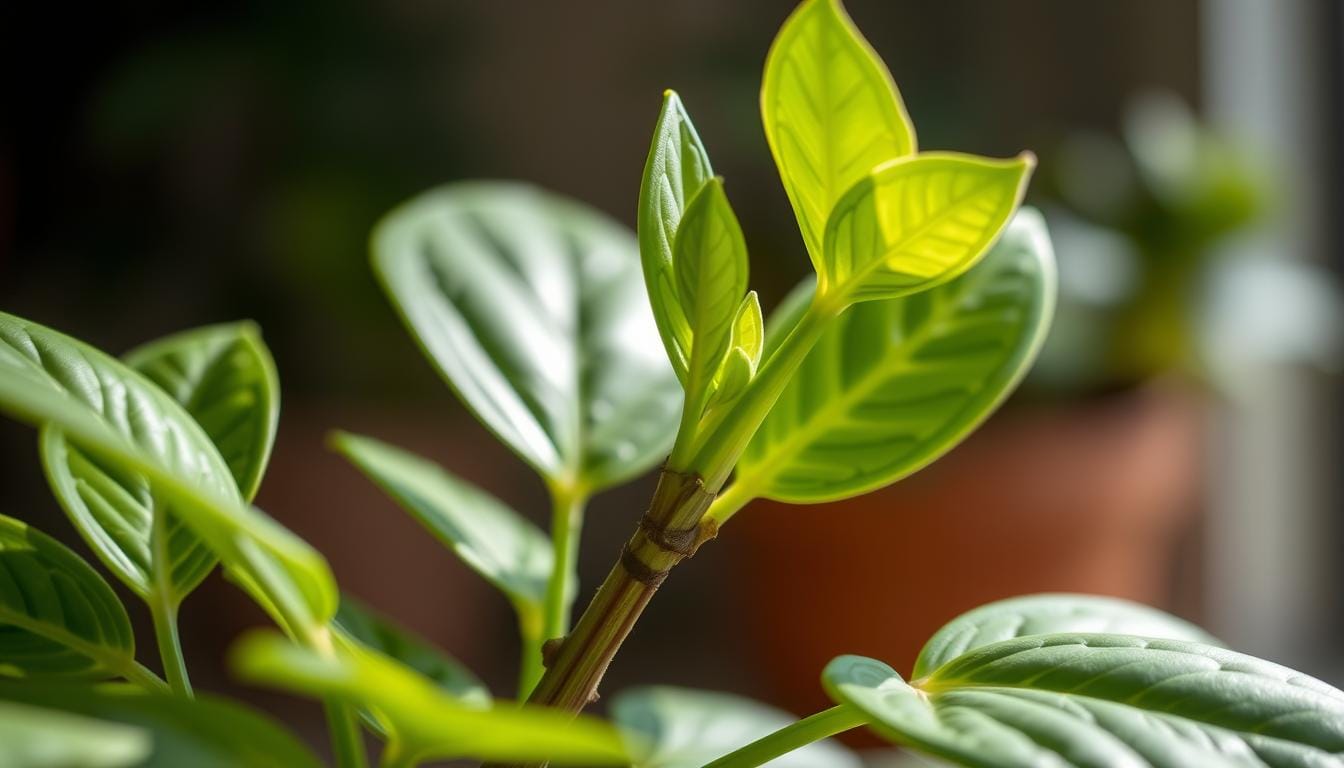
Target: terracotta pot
[{"x": 1089, "y": 498}]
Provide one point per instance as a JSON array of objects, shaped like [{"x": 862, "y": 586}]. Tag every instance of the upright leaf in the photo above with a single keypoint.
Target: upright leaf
[
  {"x": 1101, "y": 700},
  {"x": 745, "y": 344},
  {"x": 686, "y": 728},
  {"x": 122, "y": 418},
  {"x": 831, "y": 113},
  {"x": 914, "y": 223},
  {"x": 892, "y": 385},
  {"x": 225, "y": 379},
  {"x": 531, "y": 307},
  {"x": 35, "y": 737},
  {"x": 677, "y": 168},
  {"x": 422, "y": 721},
  {"x": 58, "y": 618}
]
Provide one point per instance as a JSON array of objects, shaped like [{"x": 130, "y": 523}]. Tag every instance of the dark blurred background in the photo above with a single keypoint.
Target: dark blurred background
[{"x": 171, "y": 165}]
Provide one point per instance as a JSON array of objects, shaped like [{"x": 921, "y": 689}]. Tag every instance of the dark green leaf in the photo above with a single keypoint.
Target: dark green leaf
[{"x": 34, "y": 737}]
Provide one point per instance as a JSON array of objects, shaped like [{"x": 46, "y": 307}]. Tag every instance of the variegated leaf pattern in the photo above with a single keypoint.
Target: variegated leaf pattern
[
  {"x": 892, "y": 385},
  {"x": 1101, "y": 701},
  {"x": 914, "y": 223},
  {"x": 58, "y": 618},
  {"x": 831, "y": 113},
  {"x": 224, "y": 377}
]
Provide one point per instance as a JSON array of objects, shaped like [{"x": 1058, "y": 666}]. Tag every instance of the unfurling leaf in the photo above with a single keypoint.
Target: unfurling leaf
[
  {"x": 831, "y": 113},
  {"x": 532, "y": 308}
]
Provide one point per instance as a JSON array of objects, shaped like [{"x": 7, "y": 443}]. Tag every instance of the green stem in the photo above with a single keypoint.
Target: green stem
[
  {"x": 145, "y": 678},
  {"x": 566, "y": 525},
  {"x": 347, "y": 742},
  {"x": 163, "y": 611},
  {"x": 730, "y": 502},
  {"x": 530, "y": 666},
  {"x": 824, "y": 724}
]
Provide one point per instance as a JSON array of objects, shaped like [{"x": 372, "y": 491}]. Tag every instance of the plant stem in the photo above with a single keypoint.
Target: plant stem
[
  {"x": 347, "y": 742},
  {"x": 730, "y": 502},
  {"x": 824, "y": 724},
  {"x": 566, "y": 524},
  {"x": 163, "y": 612},
  {"x": 144, "y": 677},
  {"x": 530, "y": 668}
]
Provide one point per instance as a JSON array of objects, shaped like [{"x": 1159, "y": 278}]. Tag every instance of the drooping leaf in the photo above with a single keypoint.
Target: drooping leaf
[
  {"x": 677, "y": 168},
  {"x": 892, "y": 385},
  {"x": 58, "y": 618},
  {"x": 1101, "y": 700},
  {"x": 225, "y": 379},
  {"x": 687, "y": 728},
  {"x": 914, "y": 223},
  {"x": 122, "y": 418},
  {"x": 532, "y": 308},
  {"x": 34, "y": 737},
  {"x": 1049, "y": 614},
  {"x": 492, "y": 539},
  {"x": 831, "y": 113},
  {"x": 710, "y": 260},
  {"x": 422, "y": 720},
  {"x": 208, "y": 732}
]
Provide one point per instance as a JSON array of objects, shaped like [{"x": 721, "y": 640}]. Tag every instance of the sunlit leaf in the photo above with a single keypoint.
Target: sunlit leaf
[
  {"x": 913, "y": 223},
  {"x": 225, "y": 379},
  {"x": 120, "y": 417},
  {"x": 422, "y": 720},
  {"x": 1101, "y": 700},
  {"x": 687, "y": 728},
  {"x": 1050, "y": 614},
  {"x": 496, "y": 542},
  {"x": 677, "y": 168},
  {"x": 208, "y": 732},
  {"x": 892, "y": 385},
  {"x": 33, "y": 737},
  {"x": 831, "y": 113},
  {"x": 533, "y": 309},
  {"x": 58, "y": 618}
]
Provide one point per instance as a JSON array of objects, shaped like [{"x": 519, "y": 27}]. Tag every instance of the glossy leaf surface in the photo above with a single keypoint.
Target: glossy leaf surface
[
  {"x": 117, "y": 414},
  {"x": 492, "y": 539},
  {"x": 892, "y": 385},
  {"x": 1104, "y": 701},
  {"x": 58, "y": 618},
  {"x": 687, "y": 728},
  {"x": 225, "y": 379},
  {"x": 33, "y": 737},
  {"x": 678, "y": 166},
  {"x": 421, "y": 719},
  {"x": 1050, "y": 614},
  {"x": 208, "y": 732},
  {"x": 913, "y": 223},
  {"x": 533, "y": 309},
  {"x": 831, "y": 113}
]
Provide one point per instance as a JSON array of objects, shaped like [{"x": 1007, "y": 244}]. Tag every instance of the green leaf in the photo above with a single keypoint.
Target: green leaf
[
  {"x": 225, "y": 379},
  {"x": 677, "y": 168},
  {"x": 33, "y": 737},
  {"x": 914, "y": 223},
  {"x": 1049, "y": 614},
  {"x": 58, "y": 618},
  {"x": 831, "y": 113},
  {"x": 492, "y": 539},
  {"x": 1101, "y": 700},
  {"x": 120, "y": 417},
  {"x": 532, "y": 308},
  {"x": 422, "y": 721},
  {"x": 893, "y": 385},
  {"x": 686, "y": 728},
  {"x": 710, "y": 259},
  {"x": 208, "y": 732}
]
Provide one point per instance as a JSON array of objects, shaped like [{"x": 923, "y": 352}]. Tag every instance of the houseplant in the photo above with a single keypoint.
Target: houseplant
[{"x": 531, "y": 306}]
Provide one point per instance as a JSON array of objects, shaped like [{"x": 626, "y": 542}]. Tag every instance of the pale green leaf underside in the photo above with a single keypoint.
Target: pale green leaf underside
[
  {"x": 492, "y": 539},
  {"x": 894, "y": 384},
  {"x": 1103, "y": 701},
  {"x": 687, "y": 728},
  {"x": 422, "y": 720},
  {"x": 208, "y": 732},
  {"x": 58, "y": 618},
  {"x": 677, "y": 168},
  {"x": 1049, "y": 614},
  {"x": 118, "y": 415},
  {"x": 33, "y": 737},
  {"x": 916, "y": 222},
  {"x": 831, "y": 113},
  {"x": 225, "y": 379},
  {"x": 531, "y": 307}
]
